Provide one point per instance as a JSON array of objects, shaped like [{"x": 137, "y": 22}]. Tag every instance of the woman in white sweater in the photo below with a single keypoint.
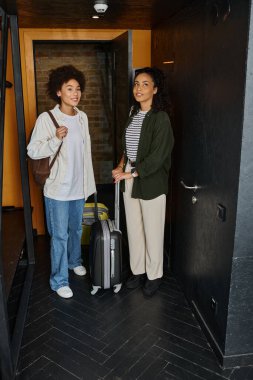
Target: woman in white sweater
[{"x": 71, "y": 179}]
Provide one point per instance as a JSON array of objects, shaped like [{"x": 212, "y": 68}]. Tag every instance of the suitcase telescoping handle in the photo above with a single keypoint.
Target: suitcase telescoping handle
[
  {"x": 116, "y": 205},
  {"x": 96, "y": 206}
]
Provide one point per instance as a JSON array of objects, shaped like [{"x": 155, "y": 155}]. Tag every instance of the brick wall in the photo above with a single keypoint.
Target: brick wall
[{"x": 94, "y": 60}]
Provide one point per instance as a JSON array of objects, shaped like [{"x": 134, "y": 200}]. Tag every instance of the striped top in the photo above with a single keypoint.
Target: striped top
[{"x": 133, "y": 133}]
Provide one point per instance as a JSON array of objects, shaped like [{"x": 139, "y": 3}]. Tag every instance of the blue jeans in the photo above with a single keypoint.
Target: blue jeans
[{"x": 64, "y": 223}]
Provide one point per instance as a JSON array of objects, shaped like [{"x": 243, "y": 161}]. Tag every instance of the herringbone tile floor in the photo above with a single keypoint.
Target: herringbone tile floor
[{"x": 114, "y": 336}]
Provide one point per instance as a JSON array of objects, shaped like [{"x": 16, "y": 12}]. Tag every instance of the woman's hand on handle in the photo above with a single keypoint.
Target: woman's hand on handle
[
  {"x": 121, "y": 175},
  {"x": 117, "y": 170}
]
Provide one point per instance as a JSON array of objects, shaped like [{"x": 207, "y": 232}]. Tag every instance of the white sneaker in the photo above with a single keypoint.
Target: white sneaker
[
  {"x": 80, "y": 271},
  {"x": 64, "y": 292}
]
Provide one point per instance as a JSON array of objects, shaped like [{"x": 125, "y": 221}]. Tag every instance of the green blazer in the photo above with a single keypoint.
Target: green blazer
[{"x": 153, "y": 159}]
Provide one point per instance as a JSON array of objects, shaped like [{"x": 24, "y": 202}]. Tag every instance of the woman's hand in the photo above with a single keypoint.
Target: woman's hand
[
  {"x": 61, "y": 132},
  {"x": 119, "y": 176},
  {"x": 117, "y": 170}
]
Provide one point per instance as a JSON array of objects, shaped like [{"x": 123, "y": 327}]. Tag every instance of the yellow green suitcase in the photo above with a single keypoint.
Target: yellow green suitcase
[{"x": 89, "y": 219}]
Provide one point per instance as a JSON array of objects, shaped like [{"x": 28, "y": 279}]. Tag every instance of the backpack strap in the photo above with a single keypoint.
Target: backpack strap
[
  {"x": 53, "y": 119},
  {"x": 56, "y": 126}
]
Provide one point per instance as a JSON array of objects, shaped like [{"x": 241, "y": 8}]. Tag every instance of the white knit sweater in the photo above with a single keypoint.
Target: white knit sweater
[{"x": 44, "y": 143}]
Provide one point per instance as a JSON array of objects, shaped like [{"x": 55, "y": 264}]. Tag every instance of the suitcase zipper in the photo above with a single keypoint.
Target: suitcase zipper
[
  {"x": 112, "y": 258},
  {"x": 106, "y": 233}
]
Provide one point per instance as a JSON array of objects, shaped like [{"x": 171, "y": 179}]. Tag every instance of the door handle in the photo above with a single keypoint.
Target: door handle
[{"x": 194, "y": 188}]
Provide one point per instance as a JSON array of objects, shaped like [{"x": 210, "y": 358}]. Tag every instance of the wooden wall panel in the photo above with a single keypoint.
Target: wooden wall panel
[
  {"x": 141, "y": 48},
  {"x": 12, "y": 195}
]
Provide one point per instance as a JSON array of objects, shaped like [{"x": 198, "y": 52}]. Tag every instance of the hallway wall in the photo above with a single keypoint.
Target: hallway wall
[
  {"x": 240, "y": 315},
  {"x": 207, "y": 88}
]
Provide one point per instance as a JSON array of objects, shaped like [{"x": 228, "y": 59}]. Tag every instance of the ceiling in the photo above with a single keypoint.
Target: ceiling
[{"x": 121, "y": 14}]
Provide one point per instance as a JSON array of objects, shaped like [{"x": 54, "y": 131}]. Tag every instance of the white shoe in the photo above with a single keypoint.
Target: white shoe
[
  {"x": 80, "y": 271},
  {"x": 64, "y": 292}
]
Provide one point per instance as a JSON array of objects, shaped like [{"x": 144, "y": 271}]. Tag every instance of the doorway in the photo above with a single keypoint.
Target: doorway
[
  {"x": 94, "y": 59},
  {"x": 121, "y": 46}
]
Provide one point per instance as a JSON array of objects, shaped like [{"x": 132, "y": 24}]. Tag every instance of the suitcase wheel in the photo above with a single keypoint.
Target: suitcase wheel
[
  {"x": 94, "y": 289},
  {"x": 117, "y": 288}
]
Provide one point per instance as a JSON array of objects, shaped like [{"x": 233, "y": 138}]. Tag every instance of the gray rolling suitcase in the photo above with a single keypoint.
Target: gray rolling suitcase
[{"x": 105, "y": 252}]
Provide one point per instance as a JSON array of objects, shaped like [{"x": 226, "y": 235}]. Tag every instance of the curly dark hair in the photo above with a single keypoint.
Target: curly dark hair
[
  {"x": 61, "y": 75},
  {"x": 159, "y": 99}
]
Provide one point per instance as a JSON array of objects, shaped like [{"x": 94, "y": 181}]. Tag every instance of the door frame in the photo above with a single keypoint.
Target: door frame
[
  {"x": 141, "y": 49},
  {"x": 27, "y": 39}
]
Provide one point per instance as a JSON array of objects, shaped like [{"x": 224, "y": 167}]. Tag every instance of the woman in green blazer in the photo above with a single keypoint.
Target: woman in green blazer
[{"x": 144, "y": 170}]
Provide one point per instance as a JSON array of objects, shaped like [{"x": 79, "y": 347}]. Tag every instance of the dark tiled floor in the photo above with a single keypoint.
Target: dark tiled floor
[{"x": 114, "y": 336}]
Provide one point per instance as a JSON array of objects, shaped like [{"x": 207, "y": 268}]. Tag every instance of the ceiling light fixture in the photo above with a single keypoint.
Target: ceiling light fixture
[
  {"x": 95, "y": 16},
  {"x": 100, "y": 6}
]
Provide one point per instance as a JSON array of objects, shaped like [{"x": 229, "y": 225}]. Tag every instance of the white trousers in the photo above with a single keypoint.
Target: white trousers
[{"x": 145, "y": 228}]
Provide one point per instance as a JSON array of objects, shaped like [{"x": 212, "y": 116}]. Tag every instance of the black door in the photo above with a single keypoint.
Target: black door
[
  {"x": 122, "y": 75},
  {"x": 192, "y": 178},
  {"x": 206, "y": 92}
]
